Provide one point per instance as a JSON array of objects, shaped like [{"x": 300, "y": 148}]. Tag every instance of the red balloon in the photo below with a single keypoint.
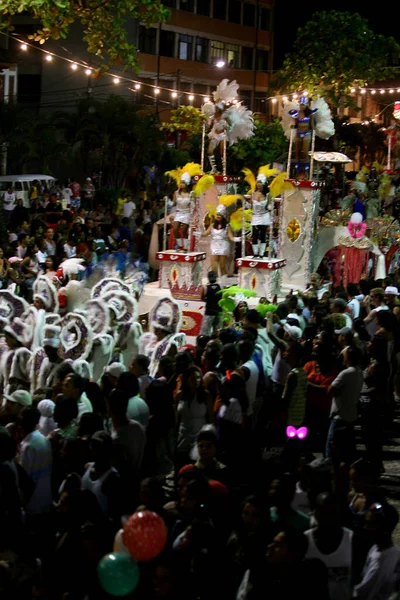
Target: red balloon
[{"x": 145, "y": 535}]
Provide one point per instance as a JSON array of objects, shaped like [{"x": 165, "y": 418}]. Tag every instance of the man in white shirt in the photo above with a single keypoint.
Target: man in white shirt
[
  {"x": 264, "y": 343},
  {"x": 353, "y": 304},
  {"x": 346, "y": 389},
  {"x": 128, "y": 207},
  {"x": 70, "y": 248},
  {"x": 73, "y": 387},
  {"x": 9, "y": 203}
]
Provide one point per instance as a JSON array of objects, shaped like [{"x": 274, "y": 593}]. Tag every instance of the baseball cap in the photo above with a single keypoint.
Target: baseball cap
[
  {"x": 293, "y": 316},
  {"x": 391, "y": 290},
  {"x": 344, "y": 331},
  {"x": 115, "y": 369},
  {"x": 293, "y": 331},
  {"x": 21, "y": 397}
]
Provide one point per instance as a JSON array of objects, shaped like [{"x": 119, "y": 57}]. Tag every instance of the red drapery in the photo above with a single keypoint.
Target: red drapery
[{"x": 355, "y": 263}]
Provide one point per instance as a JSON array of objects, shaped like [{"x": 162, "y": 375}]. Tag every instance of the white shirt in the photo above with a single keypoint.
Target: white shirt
[
  {"x": 9, "y": 201},
  {"x": 128, "y": 208},
  {"x": 346, "y": 394},
  {"x": 354, "y": 306},
  {"x": 70, "y": 251},
  {"x": 36, "y": 459},
  {"x": 66, "y": 194},
  {"x": 251, "y": 384},
  {"x": 231, "y": 412},
  {"x": 380, "y": 575}
]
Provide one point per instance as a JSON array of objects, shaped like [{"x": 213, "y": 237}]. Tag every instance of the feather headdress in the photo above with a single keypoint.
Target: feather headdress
[
  {"x": 229, "y": 199},
  {"x": 232, "y": 296},
  {"x": 267, "y": 171},
  {"x": 249, "y": 178},
  {"x": 279, "y": 185},
  {"x": 205, "y": 183},
  {"x": 190, "y": 170}
]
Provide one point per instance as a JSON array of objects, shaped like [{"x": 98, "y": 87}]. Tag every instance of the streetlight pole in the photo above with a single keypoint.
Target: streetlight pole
[{"x": 253, "y": 99}]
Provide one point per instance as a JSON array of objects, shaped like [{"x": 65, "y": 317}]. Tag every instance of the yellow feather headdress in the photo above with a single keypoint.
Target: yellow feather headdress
[
  {"x": 205, "y": 183},
  {"x": 229, "y": 199},
  {"x": 236, "y": 218},
  {"x": 267, "y": 172},
  {"x": 191, "y": 168},
  {"x": 249, "y": 178},
  {"x": 279, "y": 185}
]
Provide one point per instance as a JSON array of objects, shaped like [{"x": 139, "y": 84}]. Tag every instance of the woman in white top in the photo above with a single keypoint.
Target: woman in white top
[
  {"x": 373, "y": 304},
  {"x": 221, "y": 241},
  {"x": 261, "y": 219},
  {"x": 183, "y": 202}
]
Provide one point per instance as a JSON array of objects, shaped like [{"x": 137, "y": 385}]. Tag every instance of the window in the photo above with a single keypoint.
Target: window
[
  {"x": 232, "y": 55},
  {"x": 235, "y": 11},
  {"x": 217, "y": 51},
  {"x": 262, "y": 60},
  {"x": 147, "y": 40},
  {"x": 167, "y": 43},
  {"x": 264, "y": 19},
  {"x": 169, "y": 3},
  {"x": 203, "y": 7},
  {"x": 219, "y": 9},
  {"x": 187, "y": 5},
  {"x": 247, "y": 58},
  {"x": 201, "y": 50},
  {"x": 185, "y": 47},
  {"x": 249, "y": 14}
]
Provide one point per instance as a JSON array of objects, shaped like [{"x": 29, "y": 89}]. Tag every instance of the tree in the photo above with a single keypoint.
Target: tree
[
  {"x": 104, "y": 23},
  {"x": 334, "y": 52},
  {"x": 264, "y": 147},
  {"x": 186, "y": 118}
]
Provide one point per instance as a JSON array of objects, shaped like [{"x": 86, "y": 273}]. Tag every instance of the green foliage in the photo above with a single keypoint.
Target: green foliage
[
  {"x": 185, "y": 118},
  {"x": 105, "y": 24},
  {"x": 333, "y": 52},
  {"x": 264, "y": 147}
]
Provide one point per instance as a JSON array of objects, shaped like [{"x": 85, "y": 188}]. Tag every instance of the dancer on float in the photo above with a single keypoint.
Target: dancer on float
[
  {"x": 221, "y": 238},
  {"x": 262, "y": 206},
  {"x": 184, "y": 202}
]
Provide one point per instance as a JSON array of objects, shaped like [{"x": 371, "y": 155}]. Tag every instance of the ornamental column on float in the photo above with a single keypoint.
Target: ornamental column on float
[{"x": 302, "y": 122}]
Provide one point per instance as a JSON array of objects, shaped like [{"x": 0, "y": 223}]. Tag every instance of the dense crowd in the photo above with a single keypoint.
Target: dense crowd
[{"x": 259, "y": 447}]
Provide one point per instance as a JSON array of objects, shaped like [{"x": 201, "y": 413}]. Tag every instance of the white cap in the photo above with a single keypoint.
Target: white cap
[
  {"x": 221, "y": 209},
  {"x": 115, "y": 369},
  {"x": 186, "y": 178},
  {"x": 261, "y": 177},
  {"x": 21, "y": 397},
  {"x": 293, "y": 331},
  {"x": 391, "y": 290}
]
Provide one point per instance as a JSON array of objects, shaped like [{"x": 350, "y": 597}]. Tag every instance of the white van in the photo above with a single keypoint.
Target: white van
[{"x": 22, "y": 184}]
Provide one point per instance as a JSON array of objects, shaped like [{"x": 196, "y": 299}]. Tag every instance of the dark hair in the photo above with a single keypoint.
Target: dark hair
[
  {"x": 118, "y": 402},
  {"x": 89, "y": 423},
  {"x": 220, "y": 224},
  {"x": 359, "y": 327},
  {"x": 236, "y": 311},
  {"x": 352, "y": 289},
  {"x": 187, "y": 393},
  {"x": 246, "y": 349},
  {"x": 212, "y": 356},
  {"x": 65, "y": 411},
  {"x": 30, "y": 418},
  {"x": 253, "y": 316},
  {"x": 77, "y": 381},
  {"x": 143, "y": 362},
  {"x": 354, "y": 355},
  {"x": 227, "y": 335},
  {"x": 128, "y": 383},
  {"x": 229, "y": 355},
  {"x": 212, "y": 276},
  {"x": 96, "y": 397}
]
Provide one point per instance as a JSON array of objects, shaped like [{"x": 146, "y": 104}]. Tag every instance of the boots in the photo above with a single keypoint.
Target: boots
[
  {"x": 255, "y": 250},
  {"x": 213, "y": 164},
  {"x": 181, "y": 244},
  {"x": 262, "y": 250}
]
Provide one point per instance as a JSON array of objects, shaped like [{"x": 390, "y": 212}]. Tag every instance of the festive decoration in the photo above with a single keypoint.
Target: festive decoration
[
  {"x": 204, "y": 183},
  {"x": 119, "y": 546},
  {"x": 279, "y": 185},
  {"x": 356, "y": 226},
  {"x": 145, "y": 535},
  {"x": 185, "y": 173},
  {"x": 118, "y": 574},
  {"x": 396, "y": 110},
  {"x": 250, "y": 179},
  {"x": 293, "y": 230}
]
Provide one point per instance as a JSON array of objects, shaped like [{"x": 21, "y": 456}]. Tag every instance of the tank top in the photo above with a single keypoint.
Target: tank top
[
  {"x": 338, "y": 564},
  {"x": 183, "y": 203},
  {"x": 95, "y": 486},
  {"x": 297, "y": 405},
  {"x": 251, "y": 384}
]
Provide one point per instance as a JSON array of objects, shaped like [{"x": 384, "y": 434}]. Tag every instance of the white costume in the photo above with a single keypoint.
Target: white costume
[
  {"x": 261, "y": 212},
  {"x": 183, "y": 209},
  {"x": 220, "y": 243}
]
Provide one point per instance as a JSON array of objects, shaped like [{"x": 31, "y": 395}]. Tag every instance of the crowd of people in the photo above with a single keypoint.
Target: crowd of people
[{"x": 260, "y": 447}]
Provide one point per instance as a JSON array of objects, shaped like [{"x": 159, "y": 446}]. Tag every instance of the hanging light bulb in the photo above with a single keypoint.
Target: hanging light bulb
[
  {"x": 206, "y": 99},
  {"x": 137, "y": 86},
  {"x": 24, "y": 47},
  {"x": 191, "y": 97},
  {"x": 49, "y": 57},
  {"x": 116, "y": 80},
  {"x": 88, "y": 71},
  {"x": 174, "y": 94},
  {"x": 284, "y": 98},
  {"x": 382, "y": 91},
  {"x": 74, "y": 66},
  {"x": 353, "y": 90},
  {"x": 363, "y": 91},
  {"x": 373, "y": 91},
  {"x": 273, "y": 100},
  {"x": 294, "y": 96},
  {"x": 391, "y": 91},
  {"x": 156, "y": 90}
]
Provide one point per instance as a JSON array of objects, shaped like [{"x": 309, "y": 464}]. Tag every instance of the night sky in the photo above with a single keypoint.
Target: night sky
[{"x": 383, "y": 19}]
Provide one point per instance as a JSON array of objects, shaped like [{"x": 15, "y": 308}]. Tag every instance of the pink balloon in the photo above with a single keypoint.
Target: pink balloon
[{"x": 145, "y": 535}]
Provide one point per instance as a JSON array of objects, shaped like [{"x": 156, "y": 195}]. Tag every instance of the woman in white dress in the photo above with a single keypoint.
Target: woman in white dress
[
  {"x": 221, "y": 241},
  {"x": 261, "y": 218},
  {"x": 184, "y": 206}
]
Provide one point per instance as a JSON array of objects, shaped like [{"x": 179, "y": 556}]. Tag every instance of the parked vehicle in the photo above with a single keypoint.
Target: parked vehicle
[{"x": 22, "y": 184}]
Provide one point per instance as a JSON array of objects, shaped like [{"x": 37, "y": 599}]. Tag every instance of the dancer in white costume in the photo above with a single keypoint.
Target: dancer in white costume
[{"x": 221, "y": 242}]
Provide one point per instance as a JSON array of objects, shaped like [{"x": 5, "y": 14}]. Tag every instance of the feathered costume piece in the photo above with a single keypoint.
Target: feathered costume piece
[
  {"x": 184, "y": 173},
  {"x": 267, "y": 171},
  {"x": 324, "y": 126},
  {"x": 235, "y": 220},
  {"x": 205, "y": 183},
  {"x": 263, "y": 309},
  {"x": 226, "y": 92},
  {"x": 229, "y": 199},
  {"x": 240, "y": 123},
  {"x": 279, "y": 185},
  {"x": 250, "y": 179},
  {"x": 231, "y": 297}
]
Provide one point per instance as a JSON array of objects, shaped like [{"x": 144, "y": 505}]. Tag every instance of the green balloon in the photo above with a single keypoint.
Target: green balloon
[{"x": 118, "y": 573}]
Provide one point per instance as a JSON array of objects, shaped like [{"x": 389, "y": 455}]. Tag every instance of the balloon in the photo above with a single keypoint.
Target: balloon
[
  {"x": 145, "y": 535},
  {"x": 118, "y": 574},
  {"x": 119, "y": 544},
  {"x": 356, "y": 218}
]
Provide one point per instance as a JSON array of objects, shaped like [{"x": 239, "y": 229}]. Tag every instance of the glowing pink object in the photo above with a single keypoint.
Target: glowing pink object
[{"x": 300, "y": 433}]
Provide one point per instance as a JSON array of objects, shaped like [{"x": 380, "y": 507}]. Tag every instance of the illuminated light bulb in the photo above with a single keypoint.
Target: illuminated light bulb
[
  {"x": 382, "y": 91},
  {"x": 294, "y": 96},
  {"x": 363, "y": 91},
  {"x": 273, "y": 100},
  {"x": 353, "y": 90},
  {"x": 116, "y": 80},
  {"x": 74, "y": 66},
  {"x": 191, "y": 97},
  {"x": 49, "y": 58},
  {"x": 305, "y": 93},
  {"x": 137, "y": 86},
  {"x": 391, "y": 91},
  {"x": 24, "y": 47},
  {"x": 88, "y": 71},
  {"x": 398, "y": 90},
  {"x": 156, "y": 90},
  {"x": 206, "y": 99},
  {"x": 373, "y": 91},
  {"x": 220, "y": 64},
  {"x": 174, "y": 94},
  {"x": 284, "y": 98}
]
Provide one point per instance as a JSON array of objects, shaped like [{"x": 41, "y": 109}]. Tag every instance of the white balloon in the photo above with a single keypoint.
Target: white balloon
[{"x": 356, "y": 218}]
